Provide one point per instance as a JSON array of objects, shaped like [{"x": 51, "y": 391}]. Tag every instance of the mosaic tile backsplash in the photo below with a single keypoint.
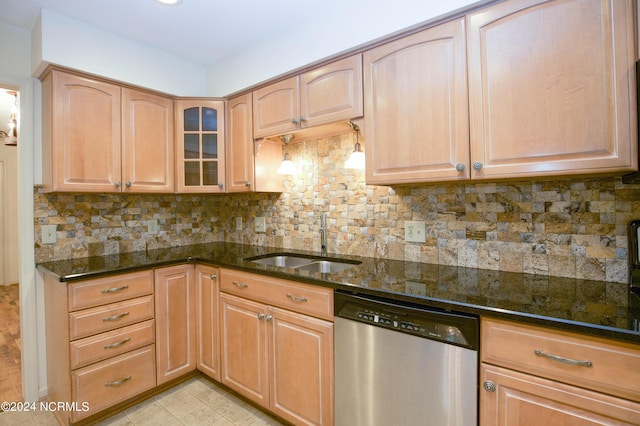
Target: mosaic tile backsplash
[{"x": 573, "y": 228}]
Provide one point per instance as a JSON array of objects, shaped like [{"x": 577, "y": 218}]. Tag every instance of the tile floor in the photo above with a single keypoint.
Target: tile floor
[{"x": 195, "y": 402}]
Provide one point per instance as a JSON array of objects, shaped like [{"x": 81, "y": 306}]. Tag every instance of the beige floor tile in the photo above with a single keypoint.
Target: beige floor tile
[
  {"x": 179, "y": 402},
  {"x": 119, "y": 419},
  {"x": 16, "y": 418},
  {"x": 149, "y": 412},
  {"x": 202, "y": 416}
]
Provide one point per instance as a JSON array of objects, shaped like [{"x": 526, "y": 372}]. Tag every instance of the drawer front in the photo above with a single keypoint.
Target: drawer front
[
  {"x": 109, "y": 317},
  {"x": 597, "y": 364},
  {"x": 86, "y": 294},
  {"x": 117, "y": 379},
  {"x": 304, "y": 298},
  {"x": 105, "y": 345}
]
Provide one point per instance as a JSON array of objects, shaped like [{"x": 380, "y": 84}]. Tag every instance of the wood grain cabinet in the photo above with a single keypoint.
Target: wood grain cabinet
[
  {"x": 277, "y": 345},
  {"x": 324, "y": 95},
  {"x": 552, "y": 88},
  {"x": 100, "y": 342},
  {"x": 200, "y": 146},
  {"x": 207, "y": 321},
  {"x": 532, "y": 375},
  {"x": 175, "y": 298},
  {"x": 240, "y": 155},
  {"x": 102, "y": 137},
  {"x": 416, "y": 108}
]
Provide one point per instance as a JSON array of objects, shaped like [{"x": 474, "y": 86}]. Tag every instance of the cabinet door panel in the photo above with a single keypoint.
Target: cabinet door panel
[
  {"x": 244, "y": 348},
  {"x": 521, "y": 399},
  {"x": 207, "y": 321},
  {"x": 275, "y": 106},
  {"x": 332, "y": 92},
  {"x": 552, "y": 88},
  {"x": 85, "y": 134},
  {"x": 240, "y": 155},
  {"x": 416, "y": 111},
  {"x": 175, "y": 322},
  {"x": 301, "y": 358},
  {"x": 147, "y": 142}
]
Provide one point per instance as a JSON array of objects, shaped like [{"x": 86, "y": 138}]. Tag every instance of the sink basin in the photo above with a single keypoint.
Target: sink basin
[
  {"x": 326, "y": 266},
  {"x": 311, "y": 264},
  {"x": 284, "y": 261}
]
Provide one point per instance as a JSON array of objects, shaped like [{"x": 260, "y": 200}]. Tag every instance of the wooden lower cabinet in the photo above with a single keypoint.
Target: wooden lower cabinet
[
  {"x": 523, "y": 399},
  {"x": 279, "y": 359},
  {"x": 207, "y": 324},
  {"x": 175, "y": 322}
]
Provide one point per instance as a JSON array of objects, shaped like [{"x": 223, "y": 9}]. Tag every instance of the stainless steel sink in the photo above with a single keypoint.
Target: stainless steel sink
[
  {"x": 284, "y": 261},
  {"x": 311, "y": 264},
  {"x": 326, "y": 266}
]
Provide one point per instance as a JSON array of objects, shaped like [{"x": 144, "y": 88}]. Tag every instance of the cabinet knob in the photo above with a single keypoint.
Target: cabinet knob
[
  {"x": 460, "y": 167},
  {"x": 260, "y": 316},
  {"x": 118, "y": 184},
  {"x": 489, "y": 386},
  {"x": 294, "y": 121},
  {"x": 247, "y": 184},
  {"x": 213, "y": 276},
  {"x": 302, "y": 119},
  {"x": 128, "y": 184},
  {"x": 220, "y": 186},
  {"x": 477, "y": 165},
  {"x": 268, "y": 318}
]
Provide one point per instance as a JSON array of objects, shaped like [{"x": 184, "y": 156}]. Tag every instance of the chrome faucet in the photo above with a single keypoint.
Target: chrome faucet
[{"x": 323, "y": 233}]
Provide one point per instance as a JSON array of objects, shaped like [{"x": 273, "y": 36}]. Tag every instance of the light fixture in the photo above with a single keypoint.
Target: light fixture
[
  {"x": 169, "y": 2},
  {"x": 11, "y": 137},
  {"x": 356, "y": 158},
  {"x": 286, "y": 167}
]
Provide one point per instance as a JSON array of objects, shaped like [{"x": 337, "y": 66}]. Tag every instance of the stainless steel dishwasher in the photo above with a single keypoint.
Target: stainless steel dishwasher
[{"x": 397, "y": 364}]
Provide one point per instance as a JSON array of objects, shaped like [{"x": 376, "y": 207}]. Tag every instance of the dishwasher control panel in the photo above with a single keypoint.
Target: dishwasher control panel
[{"x": 446, "y": 327}]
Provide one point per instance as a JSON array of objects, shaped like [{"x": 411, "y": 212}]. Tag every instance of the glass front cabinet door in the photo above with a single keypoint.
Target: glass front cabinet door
[{"x": 200, "y": 146}]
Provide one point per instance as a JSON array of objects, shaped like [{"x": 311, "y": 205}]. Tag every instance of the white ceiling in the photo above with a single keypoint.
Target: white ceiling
[{"x": 206, "y": 31}]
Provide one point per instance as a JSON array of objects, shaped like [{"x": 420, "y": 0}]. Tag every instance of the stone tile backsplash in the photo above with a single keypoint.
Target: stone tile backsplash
[{"x": 569, "y": 227}]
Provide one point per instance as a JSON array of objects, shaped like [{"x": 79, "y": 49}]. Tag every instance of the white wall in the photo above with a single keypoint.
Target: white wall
[
  {"x": 67, "y": 42},
  {"x": 355, "y": 23}
]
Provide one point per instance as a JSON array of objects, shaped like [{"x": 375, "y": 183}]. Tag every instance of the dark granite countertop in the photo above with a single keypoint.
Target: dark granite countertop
[{"x": 594, "y": 308}]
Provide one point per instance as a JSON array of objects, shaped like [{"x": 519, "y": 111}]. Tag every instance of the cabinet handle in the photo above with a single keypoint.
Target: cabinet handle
[
  {"x": 114, "y": 289},
  {"x": 220, "y": 186},
  {"x": 460, "y": 167},
  {"x": 115, "y": 317},
  {"x": 302, "y": 119},
  {"x": 247, "y": 184},
  {"x": 128, "y": 184},
  {"x": 477, "y": 165},
  {"x": 562, "y": 359},
  {"x": 294, "y": 121},
  {"x": 213, "y": 276},
  {"x": 268, "y": 318},
  {"x": 489, "y": 386},
  {"x": 117, "y": 344},
  {"x": 118, "y": 184},
  {"x": 260, "y": 316},
  {"x": 296, "y": 298},
  {"x": 239, "y": 285},
  {"x": 117, "y": 382}
]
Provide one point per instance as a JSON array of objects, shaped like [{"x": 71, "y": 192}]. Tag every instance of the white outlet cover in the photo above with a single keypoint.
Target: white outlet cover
[
  {"x": 238, "y": 224},
  {"x": 49, "y": 234},
  {"x": 414, "y": 232},
  {"x": 261, "y": 224},
  {"x": 152, "y": 226}
]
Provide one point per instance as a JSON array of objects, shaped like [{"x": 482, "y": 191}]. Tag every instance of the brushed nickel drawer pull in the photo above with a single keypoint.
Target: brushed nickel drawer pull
[
  {"x": 239, "y": 285},
  {"x": 117, "y": 344},
  {"x": 296, "y": 298},
  {"x": 115, "y": 317},
  {"x": 114, "y": 289},
  {"x": 562, "y": 359},
  {"x": 117, "y": 382}
]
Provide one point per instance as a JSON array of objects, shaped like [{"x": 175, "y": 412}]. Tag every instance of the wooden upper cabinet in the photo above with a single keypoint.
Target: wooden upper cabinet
[
  {"x": 81, "y": 134},
  {"x": 416, "y": 110},
  {"x": 101, "y": 137},
  {"x": 147, "y": 142},
  {"x": 324, "y": 95},
  {"x": 200, "y": 153},
  {"x": 240, "y": 156},
  {"x": 552, "y": 88},
  {"x": 332, "y": 92}
]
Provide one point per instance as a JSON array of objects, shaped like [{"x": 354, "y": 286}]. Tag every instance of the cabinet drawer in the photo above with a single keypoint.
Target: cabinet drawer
[
  {"x": 86, "y": 294},
  {"x": 115, "y": 315},
  {"x": 114, "y": 380},
  {"x": 548, "y": 353},
  {"x": 306, "y": 299},
  {"x": 105, "y": 345}
]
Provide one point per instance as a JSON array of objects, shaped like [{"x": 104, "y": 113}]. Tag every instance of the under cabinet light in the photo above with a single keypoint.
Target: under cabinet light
[
  {"x": 286, "y": 167},
  {"x": 356, "y": 158}
]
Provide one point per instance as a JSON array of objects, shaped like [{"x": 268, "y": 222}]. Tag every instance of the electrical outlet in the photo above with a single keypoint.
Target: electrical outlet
[
  {"x": 152, "y": 226},
  {"x": 261, "y": 224},
  {"x": 49, "y": 234},
  {"x": 414, "y": 232},
  {"x": 238, "y": 224}
]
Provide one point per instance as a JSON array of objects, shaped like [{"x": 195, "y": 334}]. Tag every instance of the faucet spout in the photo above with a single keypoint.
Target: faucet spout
[{"x": 323, "y": 233}]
